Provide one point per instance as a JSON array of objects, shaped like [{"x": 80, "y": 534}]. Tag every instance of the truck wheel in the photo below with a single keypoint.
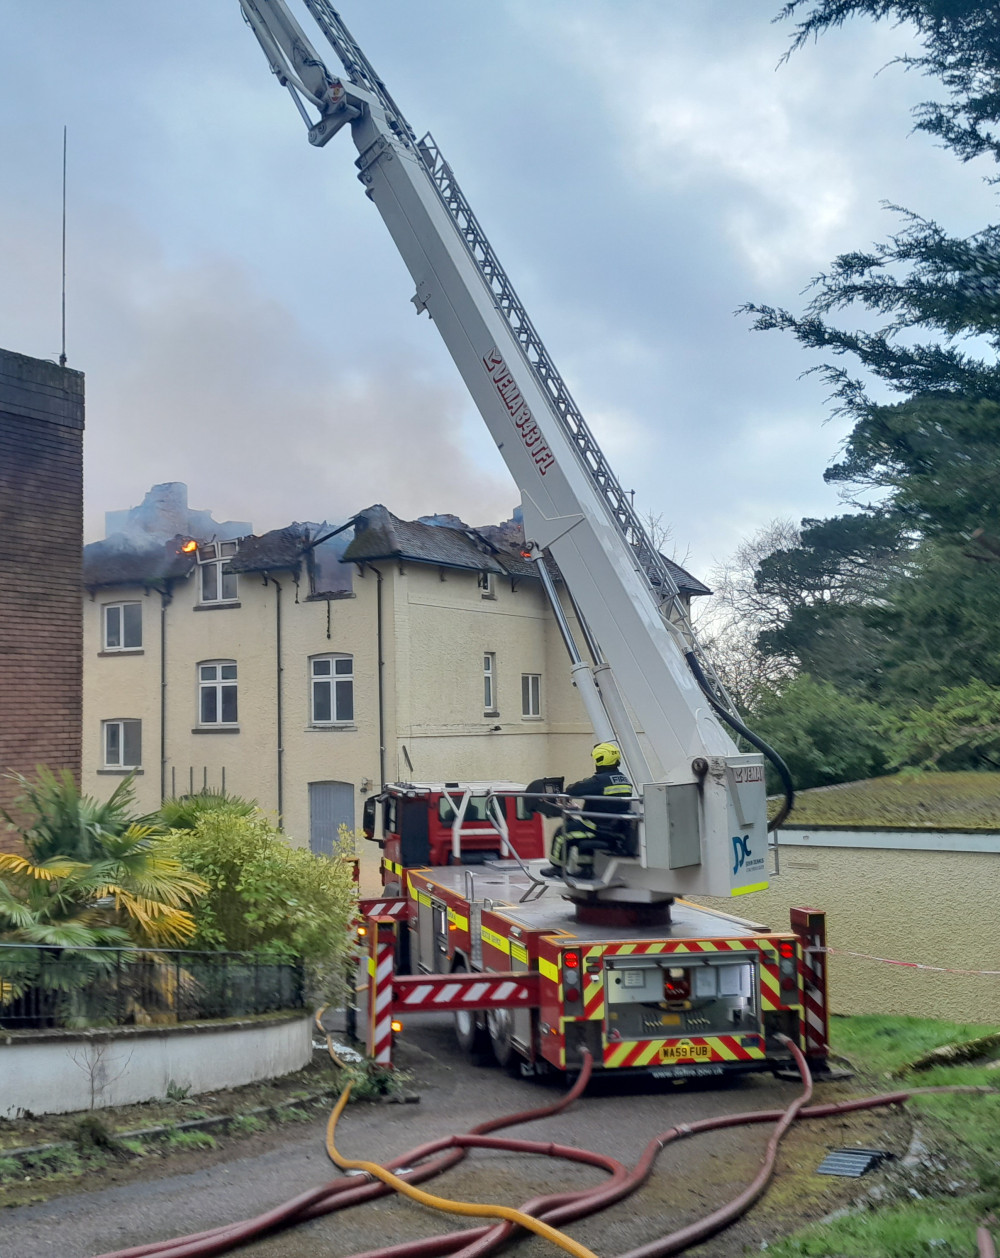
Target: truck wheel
[
  {"x": 470, "y": 1030},
  {"x": 500, "y": 1025}
]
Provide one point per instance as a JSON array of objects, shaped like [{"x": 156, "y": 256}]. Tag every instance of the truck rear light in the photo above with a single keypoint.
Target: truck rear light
[
  {"x": 677, "y": 984},
  {"x": 571, "y": 976},
  {"x": 787, "y": 964}
]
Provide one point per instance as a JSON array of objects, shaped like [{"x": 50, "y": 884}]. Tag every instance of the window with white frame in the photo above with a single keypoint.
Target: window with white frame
[
  {"x": 219, "y": 584},
  {"x": 486, "y": 586},
  {"x": 489, "y": 682},
  {"x": 217, "y": 692},
  {"x": 122, "y": 626},
  {"x": 531, "y": 694},
  {"x": 332, "y": 689},
  {"x": 122, "y": 744}
]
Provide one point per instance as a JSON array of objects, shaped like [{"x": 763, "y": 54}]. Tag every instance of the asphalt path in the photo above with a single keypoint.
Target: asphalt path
[{"x": 690, "y": 1179}]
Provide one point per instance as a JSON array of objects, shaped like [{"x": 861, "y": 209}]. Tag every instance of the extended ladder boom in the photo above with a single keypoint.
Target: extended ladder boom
[{"x": 704, "y": 806}]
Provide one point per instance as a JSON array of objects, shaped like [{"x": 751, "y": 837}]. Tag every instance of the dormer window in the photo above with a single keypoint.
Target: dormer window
[{"x": 219, "y": 584}]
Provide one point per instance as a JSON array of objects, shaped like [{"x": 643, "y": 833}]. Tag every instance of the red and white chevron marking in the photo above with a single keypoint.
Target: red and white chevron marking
[
  {"x": 381, "y": 964},
  {"x": 464, "y": 991},
  {"x": 810, "y": 926},
  {"x": 397, "y": 907}
]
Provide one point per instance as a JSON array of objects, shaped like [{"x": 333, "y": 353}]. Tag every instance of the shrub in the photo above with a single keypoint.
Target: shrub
[
  {"x": 823, "y": 735},
  {"x": 960, "y": 730},
  {"x": 267, "y": 897},
  {"x": 183, "y": 812}
]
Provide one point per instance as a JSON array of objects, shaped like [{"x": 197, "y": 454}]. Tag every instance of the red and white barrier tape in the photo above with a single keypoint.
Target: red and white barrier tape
[{"x": 911, "y": 965}]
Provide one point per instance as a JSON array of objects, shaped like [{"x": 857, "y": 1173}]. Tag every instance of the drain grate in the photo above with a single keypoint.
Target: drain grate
[{"x": 850, "y": 1163}]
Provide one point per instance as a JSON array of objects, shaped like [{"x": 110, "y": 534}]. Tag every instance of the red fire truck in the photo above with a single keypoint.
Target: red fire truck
[
  {"x": 620, "y": 960},
  {"x": 677, "y": 992}
]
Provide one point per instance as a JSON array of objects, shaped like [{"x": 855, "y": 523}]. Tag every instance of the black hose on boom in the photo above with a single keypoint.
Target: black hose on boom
[{"x": 736, "y": 724}]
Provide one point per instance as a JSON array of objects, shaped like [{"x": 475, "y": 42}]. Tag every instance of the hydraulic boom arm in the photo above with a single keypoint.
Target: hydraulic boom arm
[{"x": 705, "y": 825}]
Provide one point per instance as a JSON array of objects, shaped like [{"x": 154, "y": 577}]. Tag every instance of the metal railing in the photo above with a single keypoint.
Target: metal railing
[{"x": 45, "y": 987}]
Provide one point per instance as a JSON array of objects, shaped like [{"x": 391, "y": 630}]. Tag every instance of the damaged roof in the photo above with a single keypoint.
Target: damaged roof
[
  {"x": 281, "y": 548},
  {"x": 381, "y": 535},
  {"x": 114, "y": 562},
  {"x": 378, "y": 534}
]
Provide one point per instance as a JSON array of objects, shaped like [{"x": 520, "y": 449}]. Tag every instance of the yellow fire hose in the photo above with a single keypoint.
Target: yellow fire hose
[{"x": 483, "y": 1211}]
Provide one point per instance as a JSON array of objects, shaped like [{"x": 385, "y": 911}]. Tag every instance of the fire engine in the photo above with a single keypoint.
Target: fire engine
[{"x": 617, "y": 958}]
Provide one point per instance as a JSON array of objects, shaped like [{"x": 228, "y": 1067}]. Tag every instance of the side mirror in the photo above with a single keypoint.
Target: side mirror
[{"x": 368, "y": 817}]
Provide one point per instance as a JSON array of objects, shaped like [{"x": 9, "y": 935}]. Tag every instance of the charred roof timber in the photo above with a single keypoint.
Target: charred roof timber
[
  {"x": 377, "y": 535},
  {"x": 110, "y": 562}
]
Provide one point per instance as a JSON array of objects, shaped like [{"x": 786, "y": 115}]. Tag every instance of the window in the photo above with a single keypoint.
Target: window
[
  {"x": 122, "y": 742},
  {"x": 332, "y": 689},
  {"x": 531, "y": 694},
  {"x": 486, "y": 587},
  {"x": 122, "y": 626},
  {"x": 489, "y": 682},
  {"x": 218, "y": 581},
  {"x": 475, "y": 810},
  {"x": 217, "y": 693}
]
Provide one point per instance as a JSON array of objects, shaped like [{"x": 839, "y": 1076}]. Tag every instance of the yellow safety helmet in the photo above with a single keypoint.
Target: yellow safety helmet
[{"x": 606, "y": 755}]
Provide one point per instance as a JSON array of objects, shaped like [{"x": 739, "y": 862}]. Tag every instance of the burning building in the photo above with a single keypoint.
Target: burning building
[{"x": 306, "y": 666}]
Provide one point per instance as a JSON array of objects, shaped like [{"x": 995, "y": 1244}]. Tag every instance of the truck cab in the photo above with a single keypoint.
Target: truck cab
[{"x": 451, "y": 823}]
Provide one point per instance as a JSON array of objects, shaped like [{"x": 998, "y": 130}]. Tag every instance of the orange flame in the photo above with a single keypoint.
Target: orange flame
[{"x": 188, "y": 547}]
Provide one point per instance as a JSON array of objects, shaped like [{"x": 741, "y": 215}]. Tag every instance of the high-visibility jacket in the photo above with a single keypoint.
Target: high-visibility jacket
[{"x": 609, "y": 791}]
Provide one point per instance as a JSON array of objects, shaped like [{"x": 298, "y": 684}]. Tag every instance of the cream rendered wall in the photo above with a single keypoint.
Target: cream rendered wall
[
  {"x": 121, "y": 685},
  {"x": 329, "y": 753},
  {"x": 937, "y": 908},
  {"x": 435, "y": 632},
  {"x": 242, "y": 758},
  {"x": 444, "y": 626}
]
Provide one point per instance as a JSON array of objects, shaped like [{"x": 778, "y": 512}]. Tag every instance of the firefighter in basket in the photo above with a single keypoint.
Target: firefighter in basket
[{"x": 609, "y": 792}]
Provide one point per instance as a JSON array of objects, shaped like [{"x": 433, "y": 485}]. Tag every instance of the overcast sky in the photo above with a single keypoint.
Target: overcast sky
[{"x": 642, "y": 168}]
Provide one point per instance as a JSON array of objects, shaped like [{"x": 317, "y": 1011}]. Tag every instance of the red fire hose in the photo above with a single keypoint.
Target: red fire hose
[
  {"x": 554, "y": 1208},
  {"x": 344, "y": 1192}
]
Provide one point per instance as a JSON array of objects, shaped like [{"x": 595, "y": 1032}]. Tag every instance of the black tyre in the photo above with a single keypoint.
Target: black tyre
[
  {"x": 470, "y": 1030},
  {"x": 500, "y": 1026}
]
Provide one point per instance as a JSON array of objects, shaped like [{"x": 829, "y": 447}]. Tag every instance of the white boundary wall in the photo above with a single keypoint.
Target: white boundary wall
[
  {"x": 890, "y": 840},
  {"x": 58, "y": 1072}
]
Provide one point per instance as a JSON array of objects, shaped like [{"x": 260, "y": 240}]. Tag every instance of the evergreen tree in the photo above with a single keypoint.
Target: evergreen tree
[{"x": 930, "y": 459}]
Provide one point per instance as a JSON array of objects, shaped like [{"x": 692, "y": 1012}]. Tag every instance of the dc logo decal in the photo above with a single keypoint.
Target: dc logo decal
[{"x": 741, "y": 850}]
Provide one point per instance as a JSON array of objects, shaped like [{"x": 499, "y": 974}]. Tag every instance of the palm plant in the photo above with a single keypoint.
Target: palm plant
[
  {"x": 92, "y": 866},
  {"x": 92, "y": 876},
  {"x": 62, "y": 822}
]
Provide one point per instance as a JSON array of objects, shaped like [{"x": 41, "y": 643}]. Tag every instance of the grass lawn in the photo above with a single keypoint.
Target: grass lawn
[
  {"x": 909, "y": 800},
  {"x": 937, "y": 1211}
]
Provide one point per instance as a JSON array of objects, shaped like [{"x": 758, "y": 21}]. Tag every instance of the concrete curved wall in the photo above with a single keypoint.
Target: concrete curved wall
[
  {"x": 894, "y": 896},
  {"x": 59, "y": 1072}
]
